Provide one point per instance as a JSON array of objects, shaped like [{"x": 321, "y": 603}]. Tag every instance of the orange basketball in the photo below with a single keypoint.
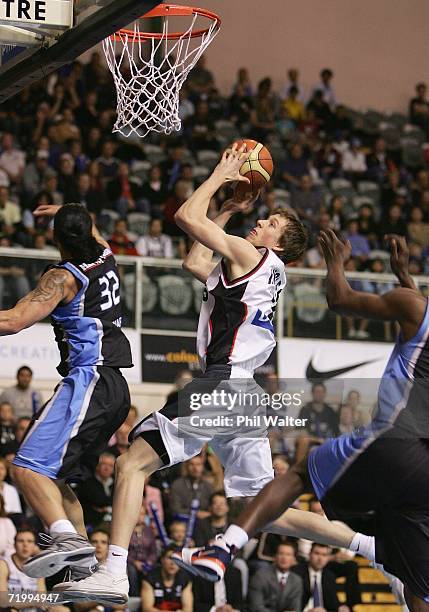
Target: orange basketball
[{"x": 258, "y": 168}]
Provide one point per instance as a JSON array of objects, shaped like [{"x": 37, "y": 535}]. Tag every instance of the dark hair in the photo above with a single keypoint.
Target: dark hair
[
  {"x": 376, "y": 260},
  {"x": 313, "y": 546},
  {"x": 217, "y": 494},
  {"x": 24, "y": 367},
  {"x": 100, "y": 530},
  {"x": 25, "y": 530},
  {"x": 294, "y": 239},
  {"x": 3, "y": 513},
  {"x": 39, "y": 196},
  {"x": 177, "y": 521},
  {"x": 334, "y": 197},
  {"x": 318, "y": 384},
  {"x": 264, "y": 84},
  {"x": 168, "y": 549},
  {"x": 73, "y": 231}
]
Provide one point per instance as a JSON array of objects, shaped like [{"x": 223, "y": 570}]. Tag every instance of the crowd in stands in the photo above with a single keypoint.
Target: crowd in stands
[
  {"x": 272, "y": 573},
  {"x": 362, "y": 173}
]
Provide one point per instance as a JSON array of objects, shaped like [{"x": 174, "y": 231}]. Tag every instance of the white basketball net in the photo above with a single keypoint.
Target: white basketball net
[{"x": 148, "y": 89}]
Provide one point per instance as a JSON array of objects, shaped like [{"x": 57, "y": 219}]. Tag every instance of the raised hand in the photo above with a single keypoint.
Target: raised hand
[
  {"x": 335, "y": 250},
  {"x": 46, "y": 210},
  {"x": 228, "y": 169},
  {"x": 399, "y": 258},
  {"x": 244, "y": 206},
  {"x": 399, "y": 253}
]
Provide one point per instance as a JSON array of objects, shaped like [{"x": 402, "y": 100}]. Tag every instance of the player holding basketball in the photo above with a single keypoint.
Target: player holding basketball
[
  {"x": 240, "y": 289},
  {"x": 235, "y": 336},
  {"x": 66, "y": 436},
  {"x": 380, "y": 471}
]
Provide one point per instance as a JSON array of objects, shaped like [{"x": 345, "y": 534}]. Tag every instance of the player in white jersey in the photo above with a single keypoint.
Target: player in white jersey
[
  {"x": 235, "y": 335},
  {"x": 236, "y": 320},
  {"x": 14, "y": 582}
]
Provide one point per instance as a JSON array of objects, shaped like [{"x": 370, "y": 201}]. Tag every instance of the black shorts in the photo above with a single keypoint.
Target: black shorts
[
  {"x": 67, "y": 435},
  {"x": 385, "y": 493}
]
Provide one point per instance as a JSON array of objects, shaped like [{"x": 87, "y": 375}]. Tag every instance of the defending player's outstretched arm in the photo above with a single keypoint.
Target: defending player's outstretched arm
[
  {"x": 399, "y": 258},
  {"x": 404, "y": 305},
  {"x": 192, "y": 215},
  {"x": 55, "y": 286}
]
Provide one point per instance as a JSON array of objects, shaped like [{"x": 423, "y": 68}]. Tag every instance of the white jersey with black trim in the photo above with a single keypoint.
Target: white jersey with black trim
[
  {"x": 236, "y": 318},
  {"x": 18, "y": 582}
]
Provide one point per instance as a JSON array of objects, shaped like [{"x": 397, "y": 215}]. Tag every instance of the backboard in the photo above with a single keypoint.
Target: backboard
[{"x": 46, "y": 34}]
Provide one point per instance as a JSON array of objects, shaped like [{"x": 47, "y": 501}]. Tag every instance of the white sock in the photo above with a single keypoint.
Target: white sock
[
  {"x": 236, "y": 536},
  {"x": 364, "y": 545},
  {"x": 117, "y": 560},
  {"x": 61, "y": 526}
]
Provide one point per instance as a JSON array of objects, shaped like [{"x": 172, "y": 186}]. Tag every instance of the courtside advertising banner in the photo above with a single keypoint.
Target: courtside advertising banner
[
  {"x": 342, "y": 366},
  {"x": 163, "y": 357},
  {"x": 327, "y": 359},
  {"x": 37, "y": 348}
]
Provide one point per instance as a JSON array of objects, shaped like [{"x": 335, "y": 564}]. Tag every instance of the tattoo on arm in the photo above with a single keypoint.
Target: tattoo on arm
[{"x": 51, "y": 286}]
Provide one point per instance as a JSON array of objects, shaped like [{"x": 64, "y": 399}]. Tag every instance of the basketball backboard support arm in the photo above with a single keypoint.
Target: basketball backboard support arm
[{"x": 34, "y": 64}]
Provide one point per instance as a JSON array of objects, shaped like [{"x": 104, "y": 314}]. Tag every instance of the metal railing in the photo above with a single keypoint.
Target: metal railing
[{"x": 160, "y": 298}]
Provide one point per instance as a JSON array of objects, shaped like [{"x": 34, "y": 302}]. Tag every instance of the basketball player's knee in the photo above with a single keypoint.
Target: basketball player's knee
[
  {"x": 18, "y": 474},
  {"x": 123, "y": 465},
  {"x": 129, "y": 464},
  {"x": 285, "y": 524}
]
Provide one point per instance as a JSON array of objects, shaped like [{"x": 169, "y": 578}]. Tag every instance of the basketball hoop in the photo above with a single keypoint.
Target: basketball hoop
[{"x": 148, "y": 88}]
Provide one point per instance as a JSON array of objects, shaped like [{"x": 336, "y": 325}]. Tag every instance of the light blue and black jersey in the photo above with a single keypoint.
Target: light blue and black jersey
[
  {"x": 402, "y": 411},
  {"x": 66, "y": 437},
  {"x": 88, "y": 329}
]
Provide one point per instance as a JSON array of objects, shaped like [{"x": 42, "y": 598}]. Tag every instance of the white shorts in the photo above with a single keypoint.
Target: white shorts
[{"x": 246, "y": 458}]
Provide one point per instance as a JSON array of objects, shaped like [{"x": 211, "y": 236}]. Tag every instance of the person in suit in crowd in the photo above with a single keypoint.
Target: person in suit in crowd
[
  {"x": 276, "y": 588},
  {"x": 319, "y": 586}
]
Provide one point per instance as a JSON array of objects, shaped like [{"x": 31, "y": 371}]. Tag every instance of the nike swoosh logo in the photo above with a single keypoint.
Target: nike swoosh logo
[
  {"x": 312, "y": 373},
  {"x": 116, "y": 555}
]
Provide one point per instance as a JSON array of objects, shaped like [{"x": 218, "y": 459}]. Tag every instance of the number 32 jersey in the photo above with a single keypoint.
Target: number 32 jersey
[
  {"x": 88, "y": 329},
  {"x": 236, "y": 319}
]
